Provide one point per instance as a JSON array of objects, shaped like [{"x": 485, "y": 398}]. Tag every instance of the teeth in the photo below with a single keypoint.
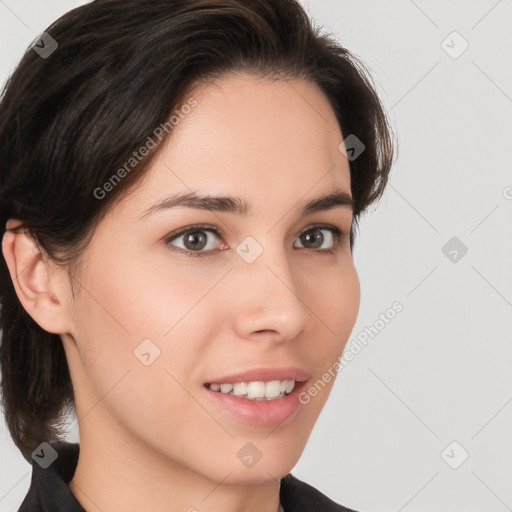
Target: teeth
[
  {"x": 240, "y": 389},
  {"x": 290, "y": 385},
  {"x": 273, "y": 388},
  {"x": 257, "y": 390},
  {"x": 225, "y": 388}
]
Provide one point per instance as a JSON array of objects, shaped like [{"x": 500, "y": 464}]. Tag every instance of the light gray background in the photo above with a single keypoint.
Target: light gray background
[{"x": 440, "y": 371}]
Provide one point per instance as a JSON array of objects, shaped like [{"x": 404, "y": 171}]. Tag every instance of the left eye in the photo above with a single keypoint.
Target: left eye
[{"x": 196, "y": 243}]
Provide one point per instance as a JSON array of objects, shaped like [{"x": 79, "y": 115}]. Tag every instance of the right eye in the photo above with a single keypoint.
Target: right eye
[{"x": 195, "y": 242}]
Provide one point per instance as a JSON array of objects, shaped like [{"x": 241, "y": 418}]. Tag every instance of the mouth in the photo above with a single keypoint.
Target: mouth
[
  {"x": 255, "y": 390},
  {"x": 260, "y": 402}
]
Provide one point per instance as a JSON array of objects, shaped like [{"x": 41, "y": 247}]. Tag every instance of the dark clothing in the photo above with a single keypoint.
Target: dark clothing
[{"x": 49, "y": 491}]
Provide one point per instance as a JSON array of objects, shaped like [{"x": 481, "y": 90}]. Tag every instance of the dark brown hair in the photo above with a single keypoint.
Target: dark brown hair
[{"x": 71, "y": 118}]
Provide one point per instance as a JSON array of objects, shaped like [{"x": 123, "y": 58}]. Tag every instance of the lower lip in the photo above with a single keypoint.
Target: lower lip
[{"x": 260, "y": 412}]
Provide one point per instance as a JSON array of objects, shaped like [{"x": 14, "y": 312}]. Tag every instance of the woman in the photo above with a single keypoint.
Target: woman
[{"x": 180, "y": 189}]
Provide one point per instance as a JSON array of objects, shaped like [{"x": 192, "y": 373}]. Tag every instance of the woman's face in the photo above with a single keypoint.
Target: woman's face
[{"x": 151, "y": 326}]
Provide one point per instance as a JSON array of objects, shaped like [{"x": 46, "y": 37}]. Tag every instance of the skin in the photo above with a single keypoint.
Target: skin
[{"x": 149, "y": 438}]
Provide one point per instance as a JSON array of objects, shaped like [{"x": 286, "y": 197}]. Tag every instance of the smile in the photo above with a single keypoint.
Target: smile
[{"x": 255, "y": 390}]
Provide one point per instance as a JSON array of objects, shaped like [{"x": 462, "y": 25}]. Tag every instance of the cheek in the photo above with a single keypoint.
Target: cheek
[
  {"x": 336, "y": 312},
  {"x": 334, "y": 295},
  {"x": 349, "y": 296},
  {"x": 138, "y": 312},
  {"x": 135, "y": 298},
  {"x": 132, "y": 316}
]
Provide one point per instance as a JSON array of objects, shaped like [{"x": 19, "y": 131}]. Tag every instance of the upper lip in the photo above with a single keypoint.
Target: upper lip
[{"x": 263, "y": 374}]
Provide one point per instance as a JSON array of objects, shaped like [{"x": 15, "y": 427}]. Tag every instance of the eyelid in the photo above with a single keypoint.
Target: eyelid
[
  {"x": 338, "y": 233},
  {"x": 194, "y": 227}
]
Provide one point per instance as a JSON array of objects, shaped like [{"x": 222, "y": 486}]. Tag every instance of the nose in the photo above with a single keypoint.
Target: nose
[{"x": 269, "y": 305}]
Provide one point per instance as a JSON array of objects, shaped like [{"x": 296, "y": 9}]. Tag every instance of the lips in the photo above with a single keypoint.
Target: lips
[
  {"x": 259, "y": 412},
  {"x": 264, "y": 374}
]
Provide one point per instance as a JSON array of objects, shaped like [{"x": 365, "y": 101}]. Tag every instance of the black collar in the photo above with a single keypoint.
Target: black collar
[{"x": 49, "y": 490}]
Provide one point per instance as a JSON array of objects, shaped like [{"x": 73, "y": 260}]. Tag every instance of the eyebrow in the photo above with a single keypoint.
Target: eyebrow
[{"x": 238, "y": 206}]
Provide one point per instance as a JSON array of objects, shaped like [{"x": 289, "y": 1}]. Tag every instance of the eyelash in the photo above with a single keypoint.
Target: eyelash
[{"x": 339, "y": 238}]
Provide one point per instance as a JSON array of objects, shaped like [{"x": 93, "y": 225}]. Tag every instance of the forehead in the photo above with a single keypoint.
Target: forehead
[{"x": 266, "y": 140}]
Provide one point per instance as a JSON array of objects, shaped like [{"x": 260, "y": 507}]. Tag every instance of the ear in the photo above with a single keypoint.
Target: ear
[{"x": 42, "y": 292}]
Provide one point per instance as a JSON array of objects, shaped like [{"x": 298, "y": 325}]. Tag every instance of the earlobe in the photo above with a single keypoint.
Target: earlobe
[{"x": 32, "y": 280}]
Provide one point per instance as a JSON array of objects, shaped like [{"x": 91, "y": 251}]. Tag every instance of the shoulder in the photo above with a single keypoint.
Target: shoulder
[
  {"x": 298, "y": 496},
  {"x": 53, "y": 466}
]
